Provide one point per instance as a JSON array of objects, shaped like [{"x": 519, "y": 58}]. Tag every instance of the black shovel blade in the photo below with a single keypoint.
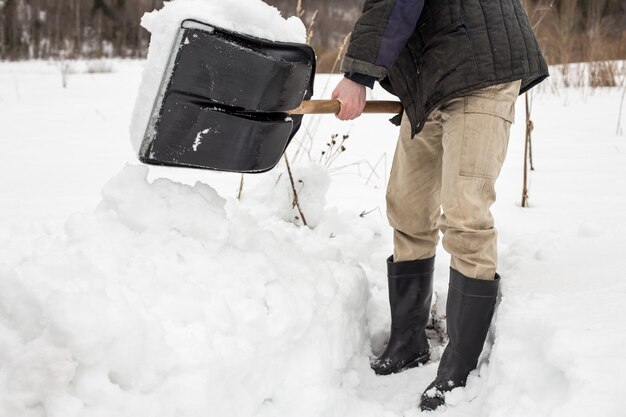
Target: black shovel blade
[
  {"x": 196, "y": 134},
  {"x": 224, "y": 100}
]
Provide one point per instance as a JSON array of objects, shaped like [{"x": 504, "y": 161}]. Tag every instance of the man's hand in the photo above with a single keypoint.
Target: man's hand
[{"x": 352, "y": 98}]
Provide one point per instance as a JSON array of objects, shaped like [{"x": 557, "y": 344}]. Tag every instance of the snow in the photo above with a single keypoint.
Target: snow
[
  {"x": 250, "y": 17},
  {"x": 198, "y": 141},
  {"x": 169, "y": 298},
  {"x": 135, "y": 291}
]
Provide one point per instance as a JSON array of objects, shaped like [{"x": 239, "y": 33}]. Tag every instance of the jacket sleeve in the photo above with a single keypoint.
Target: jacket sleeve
[
  {"x": 366, "y": 80},
  {"x": 379, "y": 35}
]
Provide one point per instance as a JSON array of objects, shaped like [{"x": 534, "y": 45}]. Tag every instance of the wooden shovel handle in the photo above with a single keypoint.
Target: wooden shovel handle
[{"x": 334, "y": 106}]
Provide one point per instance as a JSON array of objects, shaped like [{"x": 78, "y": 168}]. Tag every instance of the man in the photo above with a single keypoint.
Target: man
[{"x": 458, "y": 67}]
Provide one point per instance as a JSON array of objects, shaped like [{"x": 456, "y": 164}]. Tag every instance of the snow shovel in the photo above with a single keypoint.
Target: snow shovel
[{"x": 231, "y": 102}]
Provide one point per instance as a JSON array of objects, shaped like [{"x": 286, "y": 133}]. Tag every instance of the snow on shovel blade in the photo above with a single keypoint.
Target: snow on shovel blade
[{"x": 223, "y": 101}]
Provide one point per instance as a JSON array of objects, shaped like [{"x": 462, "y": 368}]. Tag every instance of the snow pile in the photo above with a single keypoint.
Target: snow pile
[
  {"x": 170, "y": 301},
  {"x": 251, "y": 17}
]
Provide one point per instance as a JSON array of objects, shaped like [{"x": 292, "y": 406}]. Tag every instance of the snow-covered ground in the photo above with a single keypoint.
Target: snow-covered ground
[{"x": 134, "y": 291}]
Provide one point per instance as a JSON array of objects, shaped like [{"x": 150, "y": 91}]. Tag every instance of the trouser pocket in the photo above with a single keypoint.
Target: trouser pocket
[{"x": 488, "y": 115}]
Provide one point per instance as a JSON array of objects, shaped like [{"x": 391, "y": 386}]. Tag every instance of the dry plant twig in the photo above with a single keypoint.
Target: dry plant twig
[
  {"x": 240, "y": 188},
  {"x": 311, "y": 29},
  {"x": 619, "y": 130},
  {"x": 539, "y": 13},
  {"x": 529, "y": 129},
  {"x": 365, "y": 213},
  {"x": 295, "y": 202}
]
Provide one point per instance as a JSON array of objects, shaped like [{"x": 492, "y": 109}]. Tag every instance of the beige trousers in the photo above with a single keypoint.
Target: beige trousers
[{"x": 443, "y": 180}]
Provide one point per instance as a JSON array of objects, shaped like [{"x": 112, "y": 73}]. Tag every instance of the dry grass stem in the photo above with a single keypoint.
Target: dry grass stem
[
  {"x": 240, "y": 188},
  {"x": 619, "y": 130},
  {"x": 296, "y": 202},
  {"x": 311, "y": 29}
]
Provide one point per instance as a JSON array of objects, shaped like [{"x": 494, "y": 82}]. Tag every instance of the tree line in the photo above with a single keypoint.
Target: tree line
[{"x": 569, "y": 30}]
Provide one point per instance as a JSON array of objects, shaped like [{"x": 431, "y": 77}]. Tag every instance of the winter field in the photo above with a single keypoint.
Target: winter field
[{"x": 143, "y": 292}]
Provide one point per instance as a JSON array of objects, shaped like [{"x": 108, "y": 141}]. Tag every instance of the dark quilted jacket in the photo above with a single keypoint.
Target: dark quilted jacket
[{"x": 427, "y": 52}]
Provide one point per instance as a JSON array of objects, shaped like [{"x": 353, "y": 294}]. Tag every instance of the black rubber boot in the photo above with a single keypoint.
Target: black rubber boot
[
  {"x": 470, "y": 308},
  {"x": 410, "y": 292}
]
